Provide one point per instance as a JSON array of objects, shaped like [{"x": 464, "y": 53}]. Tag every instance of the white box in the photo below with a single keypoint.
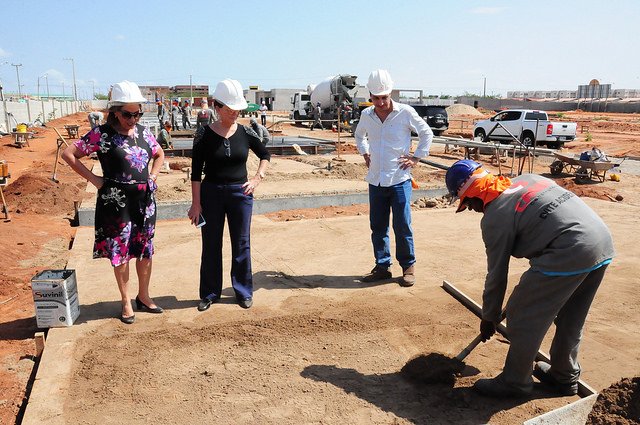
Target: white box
[{"x": 55, "y": 296}]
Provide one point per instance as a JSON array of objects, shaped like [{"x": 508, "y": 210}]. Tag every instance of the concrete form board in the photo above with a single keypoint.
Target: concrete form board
[
  {"x": 178, "y": 209},
  {"x": 575, "y": 413}
]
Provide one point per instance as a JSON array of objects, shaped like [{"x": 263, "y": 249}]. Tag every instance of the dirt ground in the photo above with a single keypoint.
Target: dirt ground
[{"x": 40, "y": 233}]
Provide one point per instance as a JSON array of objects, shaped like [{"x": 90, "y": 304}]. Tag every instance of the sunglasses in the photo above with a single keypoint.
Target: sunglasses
[
  {"x": 227, "y": 148},
  {"x": 128, "y": 115}
]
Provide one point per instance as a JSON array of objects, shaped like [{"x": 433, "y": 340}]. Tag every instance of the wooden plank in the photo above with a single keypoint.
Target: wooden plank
[{"x": 39, "y": 337}]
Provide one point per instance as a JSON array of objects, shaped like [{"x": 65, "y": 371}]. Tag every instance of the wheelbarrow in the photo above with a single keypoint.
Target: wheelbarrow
[{"x": 581, "y": 169}]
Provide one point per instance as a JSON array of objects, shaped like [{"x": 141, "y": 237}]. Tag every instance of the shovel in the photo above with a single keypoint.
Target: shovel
[
  {"x": 60, "y": 141},
  {"x": 473, "y": 344},
  {"x": 469, "y": 348}
]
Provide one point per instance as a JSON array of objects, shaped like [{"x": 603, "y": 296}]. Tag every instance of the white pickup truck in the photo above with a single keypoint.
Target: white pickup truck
[{"x": 522, "y": 124}]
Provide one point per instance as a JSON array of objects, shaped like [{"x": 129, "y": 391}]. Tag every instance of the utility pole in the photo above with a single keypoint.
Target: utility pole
[
  {"x": 484, "y": 94},
  {"x": 18, "y": 74},
  {"x": 4, "y": 105},
  {"x": 75, "y": 89},
  {"x": 47, "y": 78},
  {"x": 190, "y": 89}
]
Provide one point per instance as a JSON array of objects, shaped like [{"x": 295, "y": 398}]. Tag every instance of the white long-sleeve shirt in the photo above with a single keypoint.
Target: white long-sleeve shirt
[{"x": 387, "y": 141}]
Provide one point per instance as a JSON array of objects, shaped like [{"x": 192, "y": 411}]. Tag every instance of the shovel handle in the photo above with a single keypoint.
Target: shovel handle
[{"x": 464, "y": 353}]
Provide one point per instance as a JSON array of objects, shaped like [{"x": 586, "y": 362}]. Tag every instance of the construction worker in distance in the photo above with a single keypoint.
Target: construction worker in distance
[
  {"x": 260, "y": 130},
  {"x": 175, "y": 113},
  {"x": 164, "y": 136},
  {"x": 95, "y": 119},
  {"x": 186, "y": 114},
  {"x": 205, "y": 115},
  {"x": 569, "y": 248},
  {"x": 317, "y": 117},
  {"x": 383, "y": 137},
  {"x": 263, "y": 114}
]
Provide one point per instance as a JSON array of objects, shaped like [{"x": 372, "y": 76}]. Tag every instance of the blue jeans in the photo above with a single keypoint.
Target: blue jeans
[
  {"x": 382, "y": 201},
  {"x": 220, "y": 201}
]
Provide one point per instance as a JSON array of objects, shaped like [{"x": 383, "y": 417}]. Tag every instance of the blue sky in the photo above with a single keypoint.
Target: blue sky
[{"x": 443, "y": 47}]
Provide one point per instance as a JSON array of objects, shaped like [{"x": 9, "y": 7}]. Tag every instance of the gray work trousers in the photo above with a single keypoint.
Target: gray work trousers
[{"x": 537, "y": 301}]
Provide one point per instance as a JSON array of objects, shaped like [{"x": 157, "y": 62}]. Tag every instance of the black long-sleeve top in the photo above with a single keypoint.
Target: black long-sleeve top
[{"x": 221, "y": 164}]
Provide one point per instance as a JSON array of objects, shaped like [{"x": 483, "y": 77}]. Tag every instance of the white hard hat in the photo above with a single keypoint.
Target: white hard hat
[
  {"x": 380, "y": 83},
  {"x": 126, "y": 92},
  {"x": 229, "y": 92}
]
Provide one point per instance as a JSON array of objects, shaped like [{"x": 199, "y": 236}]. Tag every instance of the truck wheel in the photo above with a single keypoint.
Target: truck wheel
[
  {"x": 556, "y": 167},
  {"x": 527, "y": 139},
  {"x": 438, "y": 132},
  {"x": 480, "y": 134}
]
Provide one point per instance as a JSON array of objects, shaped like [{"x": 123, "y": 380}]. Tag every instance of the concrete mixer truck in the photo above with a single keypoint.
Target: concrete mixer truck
[{"x": 331, "y": 93}]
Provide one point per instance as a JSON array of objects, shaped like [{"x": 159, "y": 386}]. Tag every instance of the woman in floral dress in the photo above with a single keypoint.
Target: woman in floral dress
[{"x": 125, "y": 217}]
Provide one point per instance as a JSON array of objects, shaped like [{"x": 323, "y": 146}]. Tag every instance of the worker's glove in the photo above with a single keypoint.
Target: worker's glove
[{"x": 487, "y": 329}]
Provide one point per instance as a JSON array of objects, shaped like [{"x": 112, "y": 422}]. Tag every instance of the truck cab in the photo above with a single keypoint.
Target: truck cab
[{"x": 300, "y": 104}]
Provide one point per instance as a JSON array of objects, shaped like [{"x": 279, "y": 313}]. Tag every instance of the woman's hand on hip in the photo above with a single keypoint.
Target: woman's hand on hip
[{"x": 250, "y": 185}]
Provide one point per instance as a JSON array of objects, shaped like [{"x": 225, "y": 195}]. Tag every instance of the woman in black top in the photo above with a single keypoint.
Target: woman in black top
[{"x": 220, "y": 150}]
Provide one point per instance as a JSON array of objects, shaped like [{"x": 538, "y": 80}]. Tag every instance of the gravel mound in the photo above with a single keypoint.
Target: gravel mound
[{"x": 460, "y": 109}]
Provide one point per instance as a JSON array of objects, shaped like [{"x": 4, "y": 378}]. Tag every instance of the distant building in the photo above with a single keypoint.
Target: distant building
[
  {"x": 165, "y": 92},
  {"x": 198, "y": 91},
  {"x": 570, "y": 94}
]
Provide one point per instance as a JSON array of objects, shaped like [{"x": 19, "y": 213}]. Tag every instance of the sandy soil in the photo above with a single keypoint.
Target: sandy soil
[{"x": 335, "y": 334}]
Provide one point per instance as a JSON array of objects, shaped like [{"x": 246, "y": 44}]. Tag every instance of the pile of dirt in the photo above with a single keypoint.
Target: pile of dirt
[
  {"x": 460, "y": 109},
  {"x": 588, "y": 190},
  {"x": 437, "y": 202},
  {"x": 177, "y": 191},
  {"x": 433, "y": 368},
  {"x": 619, "y": 404},
  {"x": 317, "y": 213},
  {"x": 41, "y": 195}
]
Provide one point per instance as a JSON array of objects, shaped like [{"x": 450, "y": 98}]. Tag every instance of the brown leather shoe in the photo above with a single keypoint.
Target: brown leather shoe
[
  {"x": 408, "y": 276},
  {"x": 376, "y": 275}
]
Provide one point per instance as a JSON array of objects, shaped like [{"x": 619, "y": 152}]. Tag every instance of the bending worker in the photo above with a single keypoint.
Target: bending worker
[
  {"x": 569, "y": 248},
  {"x": 164, "y": 137},
  {"x": 260, "y": 130}
]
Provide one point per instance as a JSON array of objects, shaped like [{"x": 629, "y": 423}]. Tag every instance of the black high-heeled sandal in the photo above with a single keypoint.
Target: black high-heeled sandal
[
  {"x": 128, "y": 320},
  {"x": 143, "y": 307}
]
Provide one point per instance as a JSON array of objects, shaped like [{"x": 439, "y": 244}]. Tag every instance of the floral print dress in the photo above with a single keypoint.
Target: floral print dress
[{"x": 125, "y": 217}]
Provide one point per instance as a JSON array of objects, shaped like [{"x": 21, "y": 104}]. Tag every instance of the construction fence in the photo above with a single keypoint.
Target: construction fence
[{"x": 33, "y": 111}]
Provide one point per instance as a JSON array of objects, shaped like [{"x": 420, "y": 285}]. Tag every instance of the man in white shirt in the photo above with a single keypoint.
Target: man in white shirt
[
  {"x": 383, "y": 137},
  {"x": 263, "y": 114}
]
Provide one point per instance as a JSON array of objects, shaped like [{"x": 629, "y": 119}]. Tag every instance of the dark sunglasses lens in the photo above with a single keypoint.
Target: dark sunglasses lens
[{"x": 127, "y": 115}]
